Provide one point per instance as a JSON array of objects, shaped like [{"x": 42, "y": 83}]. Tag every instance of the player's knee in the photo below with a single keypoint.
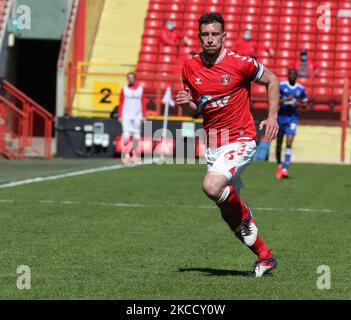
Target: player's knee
[{"x": 212, "y": 189}]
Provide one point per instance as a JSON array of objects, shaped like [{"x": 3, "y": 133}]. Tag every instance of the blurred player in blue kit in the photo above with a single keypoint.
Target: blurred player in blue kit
[{"x": 292, "y": 97}]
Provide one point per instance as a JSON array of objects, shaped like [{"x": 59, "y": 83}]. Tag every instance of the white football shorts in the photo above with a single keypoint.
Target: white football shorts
[
  {"x": 131, "y": 128},
  {"x": 231, "y": 160}
]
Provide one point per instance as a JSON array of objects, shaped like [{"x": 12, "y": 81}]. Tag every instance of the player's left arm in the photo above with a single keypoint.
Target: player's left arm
[{"x": 271, "y": 81}]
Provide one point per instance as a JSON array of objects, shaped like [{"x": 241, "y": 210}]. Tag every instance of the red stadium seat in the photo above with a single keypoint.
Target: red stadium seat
[
  {"x": 306, "y": 28},
  {"x": 307, "y": 37},
  {"x": 236, "y": 10},
  {"x": 343, "y": 65},
  {"x": 322, "y": 91},
  {"x": 152, "y": 41},
  {"x": 177, "y": 16},
  {"x": 269, "y": 28},
  {"x": 288, "y": 20},
  {"x": 149, "y": 49},
  {"x": 154, "y": 15},
  {"x": 288, "y": 28},
  {"x": 321, "y": 107},
  {"x": 255, "y": 11},
  {"x": 290, "y": 4},
  {"x": 175, "y": 7},
  {"x": 308, "y": 12},
  {"x": 270, "y": 19},
  {"x": 146, "y": 67},
  {"x": 343, "y": 38},
  {"x": 192, "y": 25},
  {"x": 291, "y": 11},
  {"x": 343, "y": 47},
  {"x": 307, "y": 20},
  {"x": 166, "y": 58},
  {"x": 233, "y": 3},
  {"x": 148, "y": 32},
  {"x": 168, "y": 50},
  {"x": 157, "y": 7},
  {"x": 193, "y": 16},
  {"x": 342, "y": 55},
  {"x": 147, "y": 58},
  {"x": 270, "y": 11},
  {"x": 153, "y": 24},
  {"x": 196, "y": 8},
  {"x": 324, "y": 55},
  {"x": 344, "y": 30},
  {"x": 271, "y": 3},
  {"x": 326, "y": 38}
]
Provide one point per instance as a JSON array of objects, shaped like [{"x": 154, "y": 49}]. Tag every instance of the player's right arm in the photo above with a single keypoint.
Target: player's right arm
[{"x": 183, "y": 99}]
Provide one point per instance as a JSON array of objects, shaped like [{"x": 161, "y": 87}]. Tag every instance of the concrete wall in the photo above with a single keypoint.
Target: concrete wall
[{"x": 317, "y": 144}]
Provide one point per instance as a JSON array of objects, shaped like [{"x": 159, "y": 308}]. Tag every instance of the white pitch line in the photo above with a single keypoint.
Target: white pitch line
[
  {"x": 139, "y": 205},
  {"x": 69, "y": 174}
]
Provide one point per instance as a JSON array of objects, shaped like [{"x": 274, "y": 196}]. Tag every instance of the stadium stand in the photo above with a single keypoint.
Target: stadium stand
[{"x": 285, "y": 26}]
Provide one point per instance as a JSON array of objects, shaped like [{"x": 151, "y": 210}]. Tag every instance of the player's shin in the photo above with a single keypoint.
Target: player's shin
[
  {"x": 231, "y": 200},
  {"x": 287, "y": 159}
]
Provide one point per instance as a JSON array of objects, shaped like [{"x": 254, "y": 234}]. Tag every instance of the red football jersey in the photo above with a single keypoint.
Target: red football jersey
[{"x": 221, "y": 92}]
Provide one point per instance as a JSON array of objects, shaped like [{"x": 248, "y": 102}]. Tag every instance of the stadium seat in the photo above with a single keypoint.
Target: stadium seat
[
  {"x": 153, "y": 23},
  {"x": 294, "y": 11},
  {"x": 270, "y": 11},
  {"x": 324, "y": 55},
  {"x": 322, "y": 91},
  {"x": 168, "y": 50},
  {"x": 157, "y": 7},
  {"x": 149, "y": 49},
  {"x": 146, "y": 67},
  {"x": 195, "y": 8},
  {"x": 255, "y": 11},
  {"x": 343, "y": 47},
  {"x": 148, "y": 32},
  {"x": 177, "y": 17},
  {"x": 343, "y": 38},
  {"x": 166, "y": 58},
  {"x": 154, "y": 15},
  {"x": 230, "y": 10},
  {"x": 151, "y": 41},
  {"x": 147, "y": 58},
  {"x": 233, "y": 3},
  {"x": 175, "y": 7},
  {"x": 342, "y": 55},
  {"x": 343, "y": 65},
  {"x": 326, "y": 38}
]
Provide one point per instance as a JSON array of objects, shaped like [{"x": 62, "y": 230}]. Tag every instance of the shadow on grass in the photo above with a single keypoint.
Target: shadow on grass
[{"x": 217, "y": 272}]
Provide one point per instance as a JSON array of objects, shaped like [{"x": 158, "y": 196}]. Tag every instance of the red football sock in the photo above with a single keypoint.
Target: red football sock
[
  {"x": 260, "y": 249},
  {"x": 231, "y": 200}
]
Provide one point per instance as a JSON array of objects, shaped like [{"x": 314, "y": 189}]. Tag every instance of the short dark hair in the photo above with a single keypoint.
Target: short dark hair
[
  {"x": 131, "y": 73},
  {"x": 292, "y": 69},
  {"x": 212, "y": 17}
]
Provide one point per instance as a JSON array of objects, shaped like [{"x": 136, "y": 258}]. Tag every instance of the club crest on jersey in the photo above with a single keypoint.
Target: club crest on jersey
[
  {"x": 198, "y": 80},
  {"x": 225, "y": 79}
]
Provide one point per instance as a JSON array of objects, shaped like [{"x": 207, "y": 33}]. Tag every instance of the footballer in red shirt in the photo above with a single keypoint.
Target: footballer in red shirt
[{"x": 217, "y": 83}]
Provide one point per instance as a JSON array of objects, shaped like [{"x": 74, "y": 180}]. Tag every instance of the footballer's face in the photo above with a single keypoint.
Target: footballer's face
[
  {"x": 131, "y": 79},
  {"x": 292, "y": 77},
  {"x": 212, "y": 38}
]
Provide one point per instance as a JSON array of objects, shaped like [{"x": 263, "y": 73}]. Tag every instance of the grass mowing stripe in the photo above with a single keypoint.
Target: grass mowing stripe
[
  {"x": 69, "y": 174},
  {"x": 140, "y": 205}
]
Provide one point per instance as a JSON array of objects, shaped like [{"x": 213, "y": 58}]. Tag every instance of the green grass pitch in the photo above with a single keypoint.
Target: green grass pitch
[{"x": 150, "y": 233}]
